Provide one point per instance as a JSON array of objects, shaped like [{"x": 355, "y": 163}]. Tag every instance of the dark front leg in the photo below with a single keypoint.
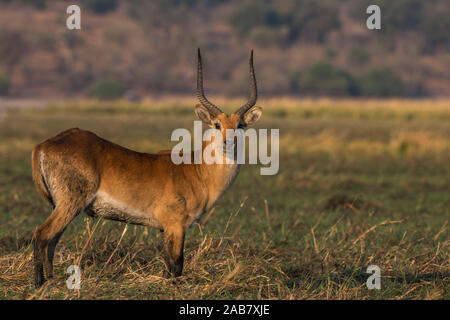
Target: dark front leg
[
  {"x": 173, "y": 245},
  {"x": 39, "y": 249}
]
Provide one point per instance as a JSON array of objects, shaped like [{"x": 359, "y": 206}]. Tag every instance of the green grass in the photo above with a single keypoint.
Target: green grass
[{"x": 350, "y": 192}]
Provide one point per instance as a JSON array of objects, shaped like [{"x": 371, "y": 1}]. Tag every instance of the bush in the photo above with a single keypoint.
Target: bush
[
  {"x": 402, "y": 14},
  {"x": 436, "y": 28},
  {"x": 358, "y": 55},
  {"x": 4, "y": 85},
  {"x": 322, "y": 78},
  {"x": 251, "y": 14},
  {"x": 330, "y": 53},
  {"x": 72, "y": 39},
  {"x": 308, "y": 19},
  {"x": 312, "y": 20},
  {"x": 381, "y": 83},
  {"x": 265, "y": 36},
  {"x": 77, "y": 80},
  {"x": 107, "y": 89},
  {"x": 101, "y": 6},
  {"x": 13, "y": 47},
  {"x": 38, "y": 4}
]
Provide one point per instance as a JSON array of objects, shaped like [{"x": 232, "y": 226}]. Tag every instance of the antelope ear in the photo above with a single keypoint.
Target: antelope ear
[
  {"x": 253, "y": 115},
  {"x": 203, "y": 114}
]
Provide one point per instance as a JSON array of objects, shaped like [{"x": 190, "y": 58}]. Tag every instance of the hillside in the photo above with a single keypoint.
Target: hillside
[{"x": 307, "y": 47}]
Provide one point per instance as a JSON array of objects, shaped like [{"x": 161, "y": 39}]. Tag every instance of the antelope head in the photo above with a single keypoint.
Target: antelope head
[{"x": 215, "y": 118}]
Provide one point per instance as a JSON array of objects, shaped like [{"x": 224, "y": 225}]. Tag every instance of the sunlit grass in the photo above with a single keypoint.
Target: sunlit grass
[{"x": 407, "y": 109}]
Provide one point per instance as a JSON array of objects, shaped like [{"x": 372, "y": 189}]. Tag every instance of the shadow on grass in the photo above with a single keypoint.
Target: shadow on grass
[{"x": 359, "y": 276}]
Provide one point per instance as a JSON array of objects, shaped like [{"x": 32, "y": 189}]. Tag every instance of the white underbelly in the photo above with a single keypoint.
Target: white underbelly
[{"x": 110, "y": 208}]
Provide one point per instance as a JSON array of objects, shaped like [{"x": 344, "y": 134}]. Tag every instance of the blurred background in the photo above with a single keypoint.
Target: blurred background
[{"x": 302, "y": 48}]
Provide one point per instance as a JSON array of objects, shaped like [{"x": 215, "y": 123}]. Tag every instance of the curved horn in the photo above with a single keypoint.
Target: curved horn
[
  {"x": 253, "y": 90},
  {"x": 200, "y": 94}
]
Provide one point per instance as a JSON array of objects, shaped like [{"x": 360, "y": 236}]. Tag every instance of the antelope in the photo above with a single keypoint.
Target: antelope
[{"x": 77, "y": 171}]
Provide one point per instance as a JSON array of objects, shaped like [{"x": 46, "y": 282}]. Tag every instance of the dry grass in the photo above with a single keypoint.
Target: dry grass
[{"x": 239, "y": 271}]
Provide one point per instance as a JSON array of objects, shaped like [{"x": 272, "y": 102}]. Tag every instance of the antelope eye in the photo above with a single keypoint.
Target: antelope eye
[{"x": 217, "y": 126}]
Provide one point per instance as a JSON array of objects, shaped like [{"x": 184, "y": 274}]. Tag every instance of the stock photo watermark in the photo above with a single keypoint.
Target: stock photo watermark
[
  {"x": 74, "y": 280},
  {"x": 373, "y": 22},
  {"x": 229, "y": 149},
  {"x": 374, "y": 280},
  {"x": 73, "y": 21}
]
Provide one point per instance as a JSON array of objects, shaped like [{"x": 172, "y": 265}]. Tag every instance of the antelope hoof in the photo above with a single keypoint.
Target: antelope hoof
[
  {"x": 174, "y": 272},
  {"x": 39, "y": 281}
]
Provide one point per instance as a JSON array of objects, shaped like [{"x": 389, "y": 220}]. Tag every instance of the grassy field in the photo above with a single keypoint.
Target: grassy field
[{"x": 360, "y": 183}]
